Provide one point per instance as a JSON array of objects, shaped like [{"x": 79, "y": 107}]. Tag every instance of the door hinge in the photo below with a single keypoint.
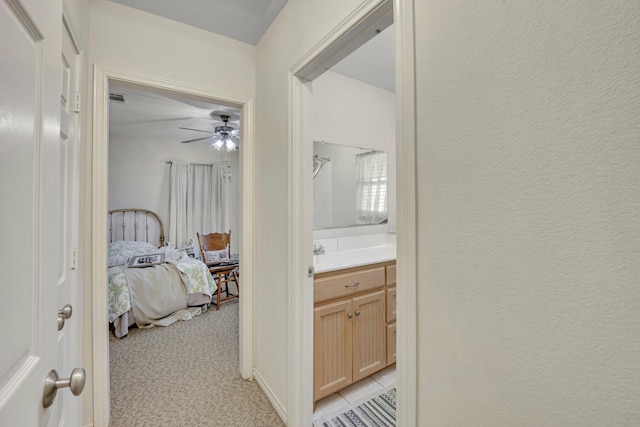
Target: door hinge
[
  {"x": 76, "y": 107},
  {"x": 74, "y": 258}
]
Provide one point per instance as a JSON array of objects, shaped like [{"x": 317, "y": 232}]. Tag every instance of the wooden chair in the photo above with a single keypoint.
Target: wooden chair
[{"x": 222, "y": 273}]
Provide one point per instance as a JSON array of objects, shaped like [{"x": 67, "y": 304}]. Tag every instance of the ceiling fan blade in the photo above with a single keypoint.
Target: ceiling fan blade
[
  {"x": 197, "y": 139},
  {"x": 198, "y": 130}
]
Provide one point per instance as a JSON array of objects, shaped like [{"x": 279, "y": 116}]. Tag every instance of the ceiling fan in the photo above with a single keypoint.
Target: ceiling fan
[{"x": 223, "y": 136}]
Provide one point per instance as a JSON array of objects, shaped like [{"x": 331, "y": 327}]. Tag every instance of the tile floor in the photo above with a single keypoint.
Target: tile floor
[{"x": 355, "y": 392}]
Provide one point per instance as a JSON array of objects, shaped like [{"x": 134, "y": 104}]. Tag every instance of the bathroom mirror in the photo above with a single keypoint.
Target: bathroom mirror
[{"x": 350, "y": 186}]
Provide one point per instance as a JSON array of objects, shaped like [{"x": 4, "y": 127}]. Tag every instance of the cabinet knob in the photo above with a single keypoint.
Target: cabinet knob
[
  {"x": 350, "y": 315},
  {"x": 357, "y": 312}
]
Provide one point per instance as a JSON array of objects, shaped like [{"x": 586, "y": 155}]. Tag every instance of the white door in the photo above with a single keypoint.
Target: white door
[
  {"x": 32, "y": 216},
  {"x": 67, "y": 279}
]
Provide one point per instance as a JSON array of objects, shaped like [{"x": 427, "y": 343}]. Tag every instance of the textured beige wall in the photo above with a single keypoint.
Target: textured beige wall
[
  {"x": 299, "y": 27},
  {"x": 138, "y": 42},
  {"x": 529, "y": 213}
]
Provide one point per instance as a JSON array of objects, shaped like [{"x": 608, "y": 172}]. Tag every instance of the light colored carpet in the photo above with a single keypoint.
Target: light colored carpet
[
  {"x": 376, "y": 410},
  {"x": 186, "y": 374}
]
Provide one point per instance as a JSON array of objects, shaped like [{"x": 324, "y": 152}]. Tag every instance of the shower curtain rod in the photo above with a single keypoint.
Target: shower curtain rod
[
  {"x": 369, "y": 153},
  {"x": 194, "y": 164}
]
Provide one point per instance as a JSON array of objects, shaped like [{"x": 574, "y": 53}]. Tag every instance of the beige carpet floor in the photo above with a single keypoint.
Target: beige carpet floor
[{"x": 185, "y": 375}]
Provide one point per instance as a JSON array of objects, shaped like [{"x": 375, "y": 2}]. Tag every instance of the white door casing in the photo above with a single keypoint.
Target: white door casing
[
  {"x": 341, "y": 41},
  {"x": 32, "y": 188},
  {"x": 360, "y": 26},
  {"x": 101, "y": 77}
]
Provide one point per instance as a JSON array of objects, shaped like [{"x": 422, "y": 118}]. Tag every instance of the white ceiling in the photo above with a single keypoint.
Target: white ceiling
[
  {"x": 159, "y": 114},
  {"x": 373, "y": 62},
  {"x": 244, "y": 20},
  {"x": 248, "y": 20}
]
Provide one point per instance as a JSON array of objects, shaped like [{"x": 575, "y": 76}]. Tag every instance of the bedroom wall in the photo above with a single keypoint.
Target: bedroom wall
[
  {"x": 127, "y": 39},
  {"x": 529, "y": 213},
  {"x": 143, "y": 161},
  {"x": 350, "y": 112},
  {"x": 299, "y": 26}
]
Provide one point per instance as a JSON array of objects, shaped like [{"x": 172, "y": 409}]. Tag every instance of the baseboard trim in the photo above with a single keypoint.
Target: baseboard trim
[{"x": 277, "y": 405}]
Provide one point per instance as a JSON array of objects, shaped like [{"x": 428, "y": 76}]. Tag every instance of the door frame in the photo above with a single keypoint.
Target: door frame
[
  {"x": 75, "y": 413},
  {"x": 99, "y": 180},
  {"x": 347, "y": 36}
]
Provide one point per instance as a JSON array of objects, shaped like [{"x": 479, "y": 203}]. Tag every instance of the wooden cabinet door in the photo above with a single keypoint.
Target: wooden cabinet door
[
  {"x": 332, "y": 348},
  {"x": 391, "y": 343},
  {"x": 369, "y": 334},
  {"x": 391, "y": 305}
]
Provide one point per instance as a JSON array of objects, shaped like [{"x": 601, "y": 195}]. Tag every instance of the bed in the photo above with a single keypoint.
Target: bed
[{"x": 163, "y": 288}]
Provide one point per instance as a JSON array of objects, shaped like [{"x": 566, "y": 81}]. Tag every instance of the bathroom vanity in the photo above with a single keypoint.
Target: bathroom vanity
[
  {"x": 354, "y": 253},
  {"x": 354, "y": 324}
]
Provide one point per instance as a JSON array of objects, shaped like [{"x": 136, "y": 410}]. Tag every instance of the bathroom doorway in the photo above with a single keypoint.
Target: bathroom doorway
[{"x": 363, "y": 25}]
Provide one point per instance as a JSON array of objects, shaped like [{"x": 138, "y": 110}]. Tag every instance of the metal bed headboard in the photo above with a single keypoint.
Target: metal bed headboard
[{"x": 136, "y": 225}]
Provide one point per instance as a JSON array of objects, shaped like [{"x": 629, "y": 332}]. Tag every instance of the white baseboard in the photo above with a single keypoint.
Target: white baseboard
[{"x": 277, "y": 405}]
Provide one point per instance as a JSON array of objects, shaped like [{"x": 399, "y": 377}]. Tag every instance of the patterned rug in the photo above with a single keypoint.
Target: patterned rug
[{"x": 377, "y": 411}]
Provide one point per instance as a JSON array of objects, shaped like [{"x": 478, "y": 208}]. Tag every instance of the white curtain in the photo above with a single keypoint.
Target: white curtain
[
  {"x": 371, "y": 178},
  {"x": 198, "y": 201}
]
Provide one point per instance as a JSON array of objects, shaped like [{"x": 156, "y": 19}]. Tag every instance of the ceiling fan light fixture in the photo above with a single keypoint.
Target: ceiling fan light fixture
[{"x": 225, "y": 135}]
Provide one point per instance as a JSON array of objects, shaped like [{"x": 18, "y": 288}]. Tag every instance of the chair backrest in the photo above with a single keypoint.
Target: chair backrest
[{"x": 214, "y": 242}]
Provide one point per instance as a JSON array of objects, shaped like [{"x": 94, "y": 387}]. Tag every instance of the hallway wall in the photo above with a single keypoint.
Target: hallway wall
[
  {"x": 299, "y": 26},
  {"x": 529, "y": 213}
]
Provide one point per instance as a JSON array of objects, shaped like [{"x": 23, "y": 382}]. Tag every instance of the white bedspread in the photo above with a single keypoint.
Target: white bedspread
[
  {"x": 155, "y": 293},
  {"x": 170, "y": 291}
]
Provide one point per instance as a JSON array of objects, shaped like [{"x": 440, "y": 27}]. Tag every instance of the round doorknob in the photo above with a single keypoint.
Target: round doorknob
[
  {"x": 76, "y": 381},
  {"x": 64, "y": 314},
  {"x": 66, "y": 311},
  {"x": 52, "y": 383}
]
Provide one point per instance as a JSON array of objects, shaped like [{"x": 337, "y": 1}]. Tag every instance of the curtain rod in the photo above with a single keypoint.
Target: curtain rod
[
  {"x": 369, "y": 153},
  {"x": 194, "y": 164}
]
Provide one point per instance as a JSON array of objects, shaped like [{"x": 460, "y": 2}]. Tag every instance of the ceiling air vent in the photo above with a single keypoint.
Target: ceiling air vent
[{"x": 117, "y": 97}]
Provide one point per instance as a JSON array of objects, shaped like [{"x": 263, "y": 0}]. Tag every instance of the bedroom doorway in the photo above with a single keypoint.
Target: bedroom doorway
[{"x": 238, "y": 175}]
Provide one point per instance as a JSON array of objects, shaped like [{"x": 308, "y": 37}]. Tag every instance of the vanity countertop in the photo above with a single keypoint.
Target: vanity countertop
[{"x": 354, "y": 258}]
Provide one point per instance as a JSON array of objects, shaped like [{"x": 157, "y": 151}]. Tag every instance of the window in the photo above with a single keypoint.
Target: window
[{"x": 371, "y": 178}]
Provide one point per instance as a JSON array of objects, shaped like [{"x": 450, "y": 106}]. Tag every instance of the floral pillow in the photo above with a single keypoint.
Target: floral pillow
[{"x": 216, "y": 256}]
